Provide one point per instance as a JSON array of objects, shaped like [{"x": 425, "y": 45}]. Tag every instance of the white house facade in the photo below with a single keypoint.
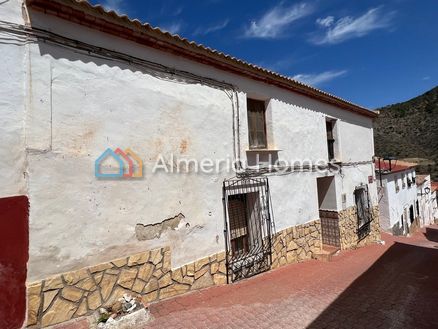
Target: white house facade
[
  {"x": 231, "y": 170},
  {"x": 434, "y": 198},
  {"x": 397, "y": 196},
  {"x": 427, "y": 202}
]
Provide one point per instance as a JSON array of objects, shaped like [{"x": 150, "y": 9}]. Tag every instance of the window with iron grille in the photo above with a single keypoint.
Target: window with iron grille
[
  {"x": 247, "y": 227},
  {"x": 257, "y": 124},
  {"x": 363, "y": 211}
]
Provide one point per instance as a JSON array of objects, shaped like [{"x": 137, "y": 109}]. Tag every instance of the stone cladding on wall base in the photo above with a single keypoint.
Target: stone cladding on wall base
[
  {"x": 148, "y": 274},
  {"x": 296, "y": 243},
  {"x": 348, "y": 229}
]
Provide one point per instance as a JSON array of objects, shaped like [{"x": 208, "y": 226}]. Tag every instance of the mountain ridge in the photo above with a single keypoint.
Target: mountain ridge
[{"x": 409, "y": 130}]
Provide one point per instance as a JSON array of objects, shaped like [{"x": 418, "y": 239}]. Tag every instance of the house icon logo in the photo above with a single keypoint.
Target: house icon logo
[{"x": 118, "y": 164}]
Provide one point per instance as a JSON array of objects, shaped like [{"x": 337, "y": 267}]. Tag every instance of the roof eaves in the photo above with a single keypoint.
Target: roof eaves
[{"x": 95, "y": 16}]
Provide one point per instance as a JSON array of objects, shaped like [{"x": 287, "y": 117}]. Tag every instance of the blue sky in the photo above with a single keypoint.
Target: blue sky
[{"x": 373, "y": 53}]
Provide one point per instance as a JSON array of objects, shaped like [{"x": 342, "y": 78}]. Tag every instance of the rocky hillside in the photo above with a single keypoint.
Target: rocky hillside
[{"x": 409, "y": 130}]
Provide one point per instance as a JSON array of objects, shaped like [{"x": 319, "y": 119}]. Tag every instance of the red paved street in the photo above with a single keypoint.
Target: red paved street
[{"x": 390, "y": 286}]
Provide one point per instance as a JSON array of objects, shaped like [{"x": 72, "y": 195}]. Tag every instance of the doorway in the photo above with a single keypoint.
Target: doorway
[{"x": 328, "y": 213}]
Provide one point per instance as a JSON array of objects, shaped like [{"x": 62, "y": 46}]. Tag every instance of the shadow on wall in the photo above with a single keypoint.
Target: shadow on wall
[
  {"x": 89, "y": 54},
  {"x": 14, "y": 246},
  {"x": 397, "y": 229},
  {"x": 121, "y": 60},
  {"x": 431, "y": 234},
  {"x": 400, "y": 290}
]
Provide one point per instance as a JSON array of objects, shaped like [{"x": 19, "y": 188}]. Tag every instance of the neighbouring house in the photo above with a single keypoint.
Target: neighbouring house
[
  {"x": 78, "y": 80},
  {"x": 434, "y": 187},
  {"x": 427, "y": 204},
  {"x": 397, "y": 192}
]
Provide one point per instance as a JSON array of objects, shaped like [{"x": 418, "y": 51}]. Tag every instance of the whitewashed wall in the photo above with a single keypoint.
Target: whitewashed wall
[
  {"x": 435, "y": 205},
  {"x": 427, "y": 203},
  {"x": 13, "y": 68},
  {"x": 393, "y": 203},
  {"x": 79, "y": 106}
]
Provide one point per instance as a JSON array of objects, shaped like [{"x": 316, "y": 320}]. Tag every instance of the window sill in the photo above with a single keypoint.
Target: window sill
[{"x": 263, "y": 150}]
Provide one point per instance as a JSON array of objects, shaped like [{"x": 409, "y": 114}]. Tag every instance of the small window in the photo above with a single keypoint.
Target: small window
[
  {"x": 397, "y": 187},
  {"x": 257, "y": 124},
  {"x": 330, "y": 139},
  {"x": 403, "y": 182}
]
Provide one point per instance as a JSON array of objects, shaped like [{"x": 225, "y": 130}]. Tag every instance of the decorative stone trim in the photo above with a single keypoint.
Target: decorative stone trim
[
  {"x": 296, "y": 243},
  {"x": 348, "y": 228},
  {"x": 148, "y": 274}
]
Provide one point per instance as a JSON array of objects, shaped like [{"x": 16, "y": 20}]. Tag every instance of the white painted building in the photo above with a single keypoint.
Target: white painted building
[
  {"x": 427, "y": 203},
  {"x": 434, "y": 198},
  {"x": 79, "y": 80},
  {"x": 397, "y": 195}
]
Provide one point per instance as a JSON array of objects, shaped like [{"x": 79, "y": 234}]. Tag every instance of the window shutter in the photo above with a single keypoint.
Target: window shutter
[
  {"x": 237, "y": 215},
  {"x": 256, "y": 124}
]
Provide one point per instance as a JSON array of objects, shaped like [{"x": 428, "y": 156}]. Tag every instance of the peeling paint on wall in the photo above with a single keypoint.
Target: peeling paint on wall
[{"x": 154, "y": 231}]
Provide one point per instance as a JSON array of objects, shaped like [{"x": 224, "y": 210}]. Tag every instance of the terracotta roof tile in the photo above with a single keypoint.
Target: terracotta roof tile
[{"x": 396, "y": 166}]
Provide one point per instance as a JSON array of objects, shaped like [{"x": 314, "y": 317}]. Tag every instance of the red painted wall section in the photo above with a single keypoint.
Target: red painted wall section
[{"x": 14, "y": 253}]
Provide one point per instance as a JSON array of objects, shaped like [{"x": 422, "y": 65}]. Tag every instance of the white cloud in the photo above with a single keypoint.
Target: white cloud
[
  {"x": 273, "y": 23},
  {"x": 426, "y": 78},
  {"x": 116, "y": 5},
  {"x": 319, "y": 78},
  {"x": 349, "y": 27},
  {"x": 169, "y": 9},
  {"x": 212, "y": 28},
  {"x": 172, "y": 28},
  {"x": 325, "y": 22}
]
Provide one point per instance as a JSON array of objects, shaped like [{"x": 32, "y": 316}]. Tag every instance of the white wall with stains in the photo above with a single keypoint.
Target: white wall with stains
[
  {"x": 79, "y": 105},
  {"x": 13, "y": 68}
]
